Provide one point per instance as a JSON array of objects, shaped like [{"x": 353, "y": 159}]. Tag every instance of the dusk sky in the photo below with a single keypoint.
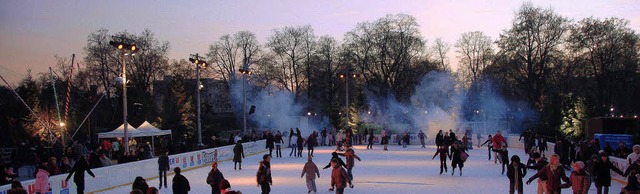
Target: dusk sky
[{"x": 33, "y": 32}]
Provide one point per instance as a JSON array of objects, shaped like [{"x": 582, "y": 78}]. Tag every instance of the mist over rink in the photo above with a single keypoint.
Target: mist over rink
[{"x": 398, "y": 170}]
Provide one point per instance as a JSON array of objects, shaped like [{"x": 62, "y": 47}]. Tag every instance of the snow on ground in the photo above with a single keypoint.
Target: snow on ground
[{"x": 399, "y": 170}]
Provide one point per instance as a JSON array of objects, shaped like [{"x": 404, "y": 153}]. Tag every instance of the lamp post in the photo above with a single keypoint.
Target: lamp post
[
  {"x": 346, "y": 75},
  {"x": 245, "y": 71},
  {"x": 127, "y": 47},
  {"x": 200, "y": 63}
]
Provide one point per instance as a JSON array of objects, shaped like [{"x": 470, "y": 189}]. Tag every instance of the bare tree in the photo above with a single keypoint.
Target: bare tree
[
  {"x": 530, "y": 52},
  {"x": 229, "y": 54},
  {"x": 289, "y": 47},
  {"x": 439, "y": 52},
  {"x": 475, "y": 53}
]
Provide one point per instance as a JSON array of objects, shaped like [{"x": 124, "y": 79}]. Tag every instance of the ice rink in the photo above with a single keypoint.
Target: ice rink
[{"x": 399, "y": 170}]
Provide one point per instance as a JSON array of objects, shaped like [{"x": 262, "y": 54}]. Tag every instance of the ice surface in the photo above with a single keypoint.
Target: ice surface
[{"x": 399, "y": 170}]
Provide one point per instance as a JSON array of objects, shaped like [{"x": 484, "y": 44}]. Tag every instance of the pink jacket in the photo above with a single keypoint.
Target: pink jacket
[{"x": 42, "y": 181}]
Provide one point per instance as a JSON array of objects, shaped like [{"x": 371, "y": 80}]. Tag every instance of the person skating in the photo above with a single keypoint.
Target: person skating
[
  {"x": 498, "y": 142},
  {"x": 350, "y": 155},
  {"x": 78, "y": 169},
  {"x": 602, "y": 172},
  {"x": 140, "y": 184},
  {"x": 180, "y": 184},
  {"x": 339, "y": 177},
  {"x": 633, "y": 186},
  {"x": 456, "y": 158},
  {"x": 163, "y": 167},
  {"x": 238, "y": 155},
  {"x": 311, "y": 143},
  {"x": 504, "y": 157},
  {"x": 489, "y": 143},
  {"x": 293, "y": 140},
  {"x": 384, "y": 140},
  {"x": 270, "y": 142},
  {"x": 370, "y": 140},
  {"x": 300, "y": 143},
  {"x": 439, "y": 139},
  {"x": 515, "y": 172},
  {"x": 554, "y": 173},
  {"x": 444, "y": 153},
  {"x": 311, "y": 170},
  {"x": 263, "y": 176},
  {"x": 540, "y": 163},
  {"x": 446, "y": 140},
  {"x": 422, "y": 136},
  {"x": 579, "y": 179},
  {"x": 214, "y": 177},
  {"x": 278, "y": 141},
  {"x": 335, "y": 155}
]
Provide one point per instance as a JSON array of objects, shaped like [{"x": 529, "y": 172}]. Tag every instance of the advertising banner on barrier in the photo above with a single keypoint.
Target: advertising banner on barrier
[{"x": 123, "y": 174}]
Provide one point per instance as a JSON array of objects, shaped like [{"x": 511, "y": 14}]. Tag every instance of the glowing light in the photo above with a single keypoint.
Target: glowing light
[
  {"x": 308, "y": 113},
  {"x": 61, "y": 124}
]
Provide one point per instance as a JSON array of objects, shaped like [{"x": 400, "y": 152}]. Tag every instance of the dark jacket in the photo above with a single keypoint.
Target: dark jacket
[
  {"x": 264, "y": 173},
  {"x": 180, "y": 184},
  {"x": 140, "y": 185},
  {"x": 213, "y": 179},
  {"x": 270, "y": 142},
  {"x": 553, "y": 177},
  {"x": 79, "y": 169},
  {"x": 602, "y": 172},
  {"x": 339, "y": 178},
  {"x": 443, "y": 153},
  {"x": 538, "y": 166},
  {"x": 163, "y": 163},
  {"x": 521, "y": 171},
  {"x": 238, "y": 152},
  {"x": 340, "y": 162}
]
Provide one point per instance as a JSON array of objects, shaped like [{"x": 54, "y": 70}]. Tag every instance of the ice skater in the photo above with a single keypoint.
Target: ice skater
[
  {"x": 311, "y": 170},
  {"x": 278, "y": 141},
  {"x": 444, "y": 153},
  {"x": 350, "y": 156},
  {"x": 456, "y": 158},
  {"x": 238, "y": 155},
  {"x": 339, "y": 177},
  {"x": 515, "y": 172},
  {"x": 370, "y": 140},
  {"x": 489, "y": 143},
  {"x": 79, "y": 169},
  {"x": 263, "y": 176},
  {"x": 293, "y": 140},
  {"x": 422, "y": 136}
]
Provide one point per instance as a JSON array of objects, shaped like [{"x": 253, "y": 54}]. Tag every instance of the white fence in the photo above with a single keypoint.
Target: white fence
[{"x": 124, "y": 174}]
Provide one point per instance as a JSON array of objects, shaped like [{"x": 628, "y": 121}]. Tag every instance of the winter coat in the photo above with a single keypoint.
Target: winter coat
[
  {"x": 42, "y": 181},
  {"x": 421, "y": 135},
  {"x": 439, "y": 139},
  {"x": 516, "y": 173},
  {"x": 580, "y": 182},
  {"x": 269, "y": 144},
  {"x": 79, "y": 169},
  {"x": 340, "y": 162},
  {"x": 180, "y": 184},
  {"x": 311, "y": 170},
  {"x": 140, "y": 185},
  {"x": 163, "y": 163},
  {"x": 339, "y": 178},
  {"x": 53, "y": 169},
  {"x": 300, "y": 143},
  {"x": 455, "y": 156},
  {"x": 264, "y": 173},
  {"x": 602, "y": 172},
  {"x": 350, "y": 159},
  {"x": 443, "y": 152},
  {"x": 213, "y": 179},
  {"x": 278, "y": 139},
  {"x": 553, "y": 176},
  {"x": 311, "y": 141},
  {"x": 238, "y": 152},
  {"x": 498, "y": 140}
]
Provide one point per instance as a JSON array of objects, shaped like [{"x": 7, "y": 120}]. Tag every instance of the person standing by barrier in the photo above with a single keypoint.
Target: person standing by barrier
[
  {"x": 42, "y": 185},
  {"x": 81, "y": 166},
  {"x": 263, "y": 175},
  {"x": 163, "y": 167},
  {"x": 633, "y": 156},
  {"x": 214, "y": 178},
  {"x": 277, "y": 140},
  {"x": 370, "y": 140},
  {"x": 238, "y": 155},
  {"x": 180, "y": 184}
]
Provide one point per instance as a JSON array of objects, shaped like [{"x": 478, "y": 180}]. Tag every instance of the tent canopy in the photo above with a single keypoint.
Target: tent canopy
[
  {"x": 146, "y": 129},
  {"x": 119, "y": 132}
]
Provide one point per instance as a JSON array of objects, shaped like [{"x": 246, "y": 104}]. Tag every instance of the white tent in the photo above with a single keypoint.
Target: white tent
[
  {"x": 146, "y": 129},
  {"x": 119, "y": 132}
]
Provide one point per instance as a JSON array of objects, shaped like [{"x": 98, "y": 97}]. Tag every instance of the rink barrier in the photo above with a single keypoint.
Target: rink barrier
[{"x": 123, "y": 174}]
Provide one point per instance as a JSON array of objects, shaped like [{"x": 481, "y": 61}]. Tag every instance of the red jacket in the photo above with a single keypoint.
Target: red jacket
[
  {"x": 579, "y": 182},
  {"x": 339, "y": 178},
  {"x": 498, "y": 140}
]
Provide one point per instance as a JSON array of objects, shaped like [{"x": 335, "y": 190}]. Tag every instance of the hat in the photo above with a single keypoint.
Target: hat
[
  {"x": 214, "y": 164},
  {"x": 536, "y": 155}
]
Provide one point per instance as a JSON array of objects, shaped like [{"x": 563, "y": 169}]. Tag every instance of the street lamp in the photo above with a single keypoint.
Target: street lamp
[
  {"x": 200, "y": 63},
  {"x": 127, "y": 47},
  {"x": 348, "y": 73},
  {"x": 245, "y": 71}
]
